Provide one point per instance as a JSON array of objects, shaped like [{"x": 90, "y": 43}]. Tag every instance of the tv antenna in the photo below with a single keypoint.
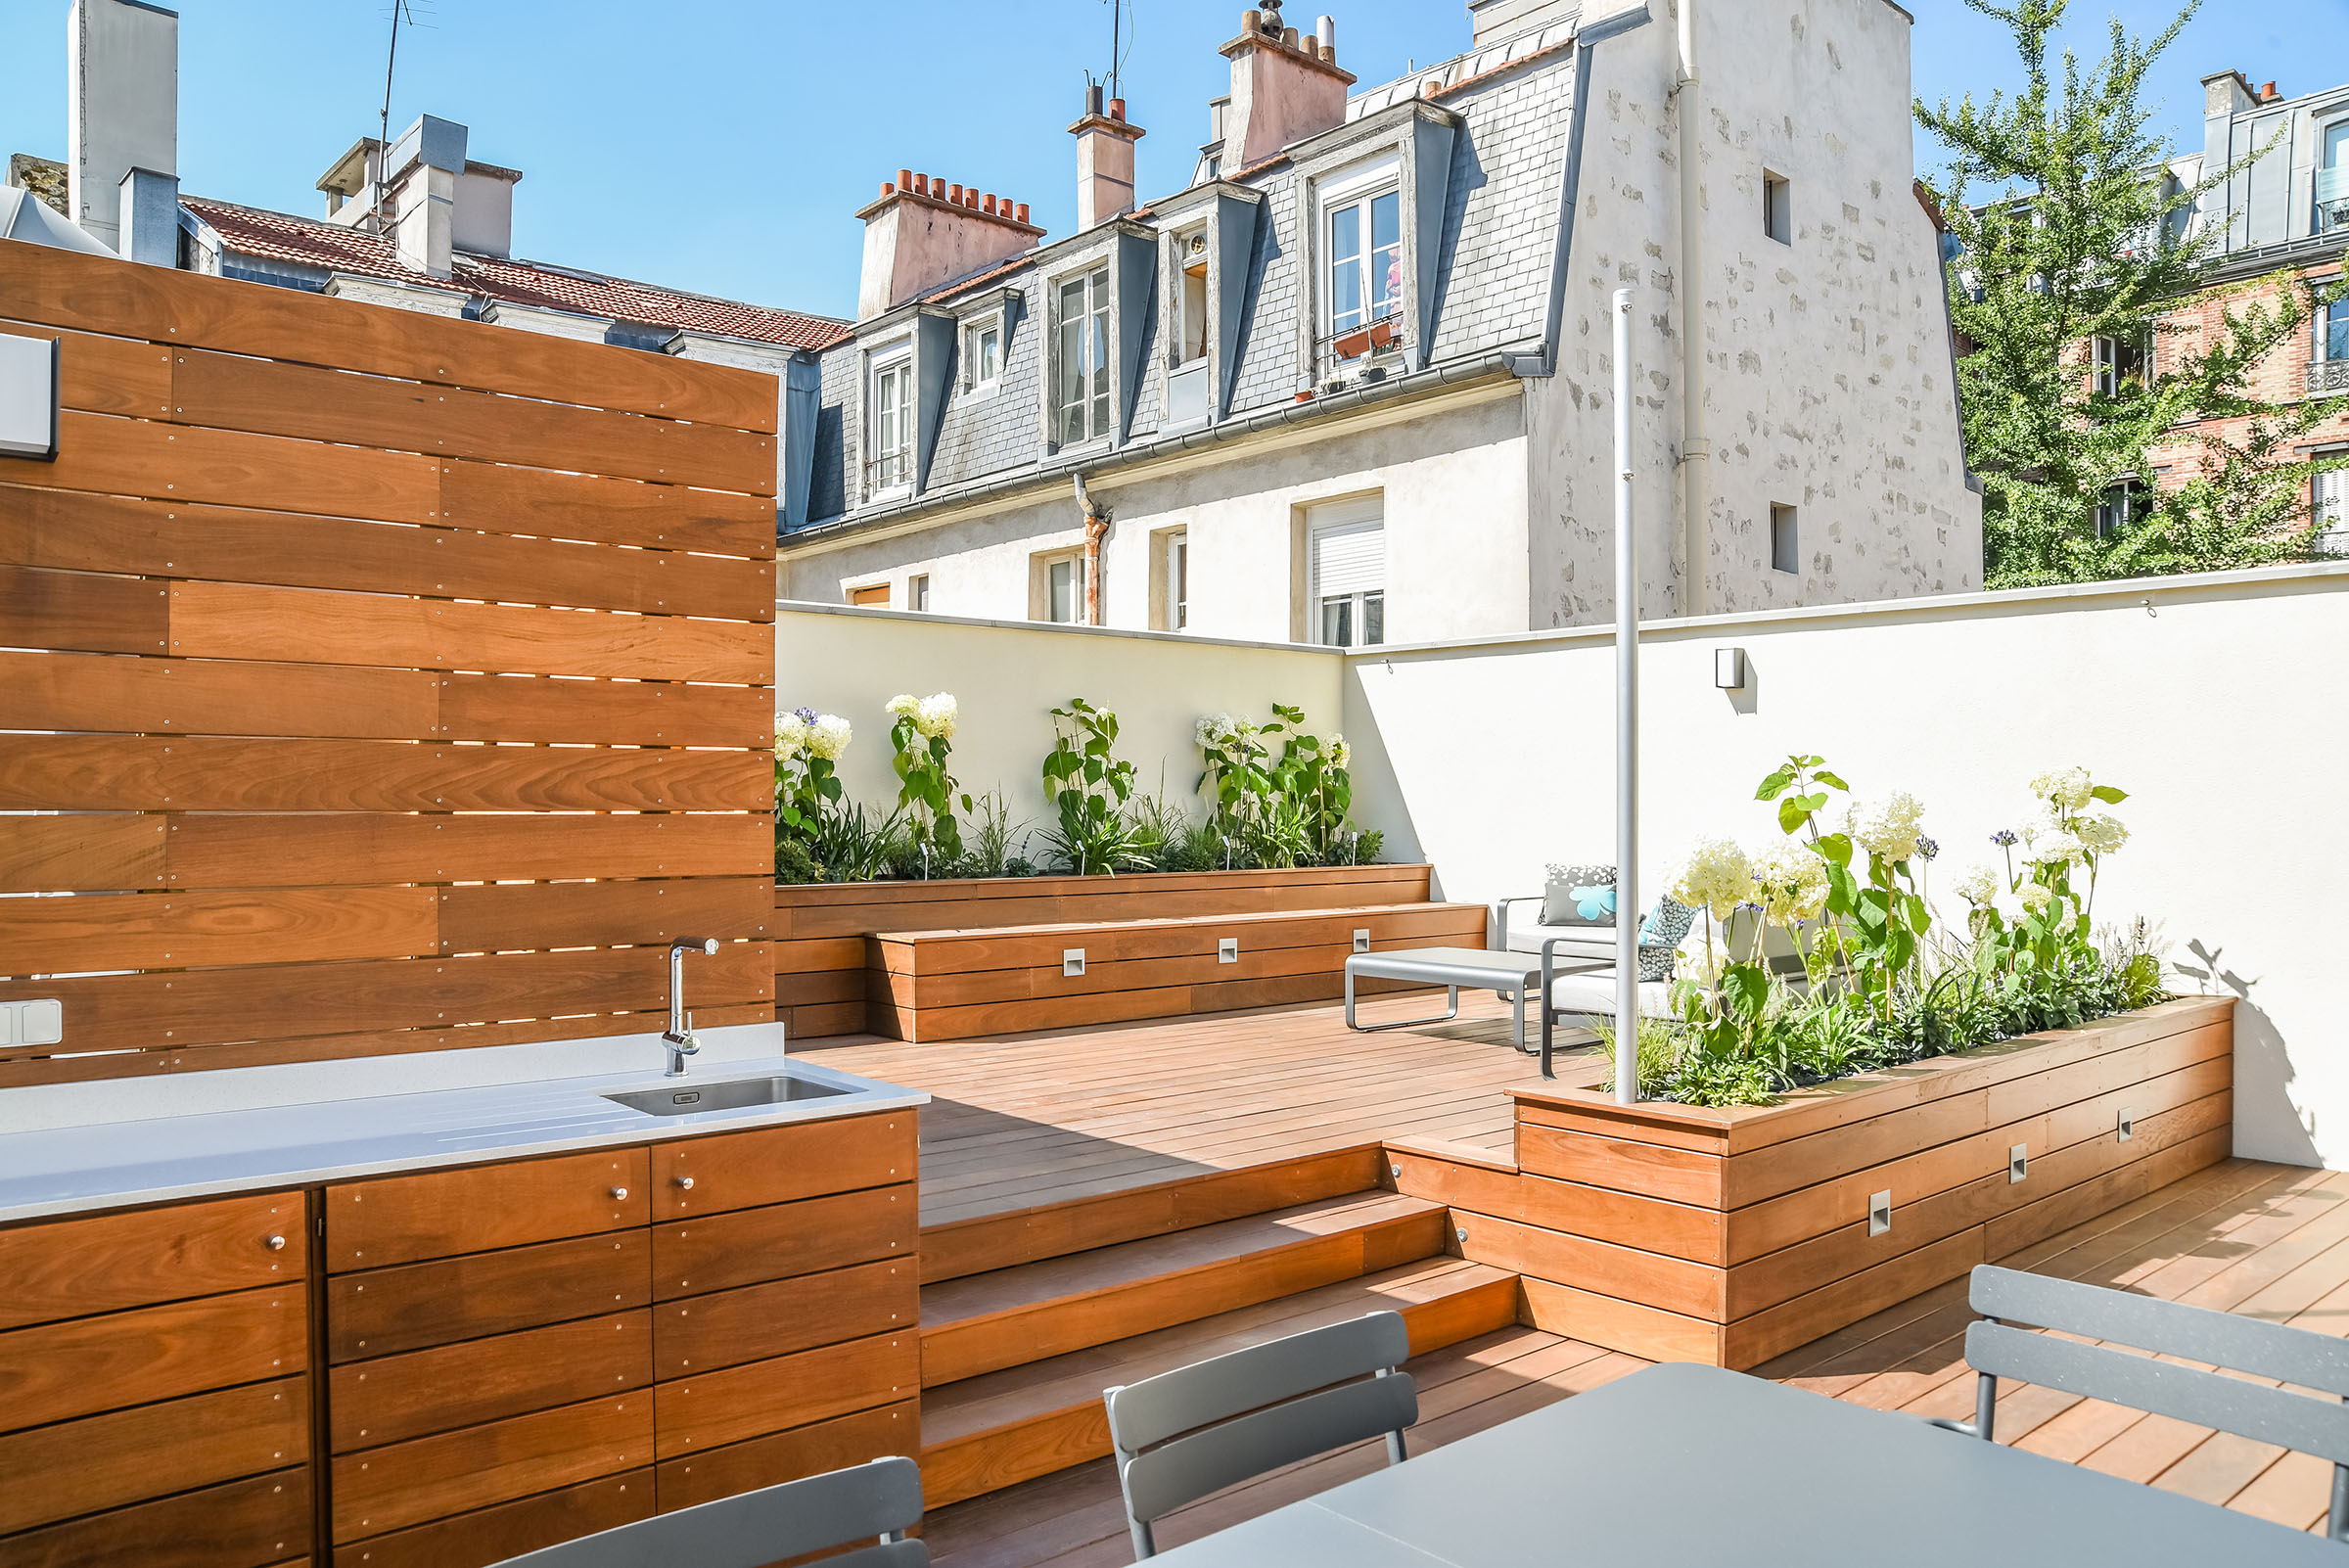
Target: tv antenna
[
  {"x": 401, "y": 12},
  {"x": 1119, "y": 47}
]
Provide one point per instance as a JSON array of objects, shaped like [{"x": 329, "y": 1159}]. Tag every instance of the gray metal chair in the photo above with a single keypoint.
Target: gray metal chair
[
  {"x": 1184, "y": 1434},
  {"x": 882, "y": 1500},
  {"x": 2294, "y": 1356}
]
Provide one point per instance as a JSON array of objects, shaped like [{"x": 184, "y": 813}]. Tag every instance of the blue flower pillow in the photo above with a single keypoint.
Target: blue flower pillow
[
  {"x": 1661, "y": 935},
  {"x": 1578, "y": 895}
]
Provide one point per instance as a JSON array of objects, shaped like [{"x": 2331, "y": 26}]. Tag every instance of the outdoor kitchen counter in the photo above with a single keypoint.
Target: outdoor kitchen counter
[{"x": 73, "y": 1149}]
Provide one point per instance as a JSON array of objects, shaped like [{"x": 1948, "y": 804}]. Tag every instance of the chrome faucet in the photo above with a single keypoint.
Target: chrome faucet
[{"x": 679, "y": 1036}]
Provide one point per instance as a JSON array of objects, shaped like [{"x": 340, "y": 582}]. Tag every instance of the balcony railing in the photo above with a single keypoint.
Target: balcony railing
[
  {"x": 1357, "y": 348},
  {"x": 2328, "y": 375},
  {"x": 2332, "y": 196},
  {"x": 889, "y": 472}
]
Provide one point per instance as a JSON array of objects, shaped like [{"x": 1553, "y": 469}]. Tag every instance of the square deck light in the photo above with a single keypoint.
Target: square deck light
[
  {"x": 28, "y": 381},
  {"x": 1728, "y": 669}
]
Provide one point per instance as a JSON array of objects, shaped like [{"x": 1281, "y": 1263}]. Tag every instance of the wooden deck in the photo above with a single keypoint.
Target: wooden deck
[
  {"x": 1042, "y": 1118},
  {"x": 2263, "y": 1239}
]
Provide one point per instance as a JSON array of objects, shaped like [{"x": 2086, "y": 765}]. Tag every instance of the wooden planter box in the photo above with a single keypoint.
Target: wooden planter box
[
  {"x": 820, "y": 955},
  {"x": 1731, "y": 1237}
]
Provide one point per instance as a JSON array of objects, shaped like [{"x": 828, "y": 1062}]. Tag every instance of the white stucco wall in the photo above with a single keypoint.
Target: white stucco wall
[
  {"x": 2185, "y": 692},
  {"x": 1009, "y": 676},
  {"x": 1828, "y": 375},
  {"x": 1453, "y": 484}
]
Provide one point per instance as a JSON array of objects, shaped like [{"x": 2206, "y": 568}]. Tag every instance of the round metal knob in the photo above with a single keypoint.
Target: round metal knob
[
  {"x": 619, "y": 1194},
  {"x": 275, "y": 1244},
  {"x": 685, "y": 1183}
]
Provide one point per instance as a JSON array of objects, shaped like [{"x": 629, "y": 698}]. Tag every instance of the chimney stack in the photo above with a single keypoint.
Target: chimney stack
[
  {"x": 923, "y": 231},
  {"x": 1104, "y": 160},
  {"x": 123, "y": 126},
  {"x": 1284, "y": 88},
  {"x": 2226, "y": 92},
  {"x": 421, "y": 171}
]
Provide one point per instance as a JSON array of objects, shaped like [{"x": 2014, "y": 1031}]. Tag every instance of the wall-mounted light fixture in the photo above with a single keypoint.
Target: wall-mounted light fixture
[
  {"x": 1728, "y": 669},
  {"x": 28, "y": 381}
]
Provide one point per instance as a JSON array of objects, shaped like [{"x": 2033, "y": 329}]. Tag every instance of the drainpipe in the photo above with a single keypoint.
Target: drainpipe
[
  {"x": 1696, "y": 452},
  {"x": 1096, "y": 528}
]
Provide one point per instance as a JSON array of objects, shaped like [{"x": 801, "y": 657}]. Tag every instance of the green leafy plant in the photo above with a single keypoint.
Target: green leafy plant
[
  {"x": 1278, "y": 808},
  {"x": 852, "y": 848},
  {"x": 1660, "y": 1048},
  {"x": 988, "y": 845},
  {"x": 795, "y": 863},
  {"x": 923, "y": 737},
  {"x": 808, "y": 750},
  {"x": 1088, "y": 786}
]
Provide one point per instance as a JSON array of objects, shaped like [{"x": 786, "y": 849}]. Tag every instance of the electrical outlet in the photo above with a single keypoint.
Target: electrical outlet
[
  {"x": 2018, "y": 1162},
  {"x": 1361, "y": 940},
  {"x": 1071, "y": 961},
  {"x": 2126, "y": 1124},
  {"x": 1879, "y": 1213},
  {"x": 1228, "y": 949}
]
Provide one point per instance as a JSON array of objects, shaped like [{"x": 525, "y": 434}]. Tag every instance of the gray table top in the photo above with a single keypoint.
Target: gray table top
[
  {"x": 1465, "y": 959},
  {"x": 1691, "y": 1466}
]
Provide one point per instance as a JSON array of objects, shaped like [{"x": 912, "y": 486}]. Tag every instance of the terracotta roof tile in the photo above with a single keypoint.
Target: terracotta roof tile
[{"x": 307, "y": 242}]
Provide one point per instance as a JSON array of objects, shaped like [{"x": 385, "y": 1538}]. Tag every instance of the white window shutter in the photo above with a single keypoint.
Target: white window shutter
[{"x": 1350, "y": 558}]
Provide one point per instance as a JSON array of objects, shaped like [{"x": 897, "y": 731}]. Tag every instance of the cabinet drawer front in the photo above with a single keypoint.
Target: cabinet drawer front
[
  {"x": 58, "y": 1371},
  {"x": 400, "y": 1397},
  {"x": 766, "y": 1461},
  {"x": 749, "y": 1246},
  {"x": 127, "y": 1456},
  {"x": 702, "y": 1333},
  {"x": 378, "y": 1489},
  {"x": 62, "y": 1268},
  {"x": 439, "y": 1214},
  {"x": 778, "y": 1164},
  {"x": 772, "y": 1396},
  {"x": 419, "y": 1305},
  {"x": 509, "y": 1529},
  {"x": 245, "y": 1524}
]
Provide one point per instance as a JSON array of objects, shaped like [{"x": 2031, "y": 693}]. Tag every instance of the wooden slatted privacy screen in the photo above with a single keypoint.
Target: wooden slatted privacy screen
[{"x": 400, "y": 683}]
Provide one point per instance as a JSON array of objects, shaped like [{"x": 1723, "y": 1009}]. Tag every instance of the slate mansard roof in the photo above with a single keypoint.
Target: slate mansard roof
[{"x": 1496, "y": 247}]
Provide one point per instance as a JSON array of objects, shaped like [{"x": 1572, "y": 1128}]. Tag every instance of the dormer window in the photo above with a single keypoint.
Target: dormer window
[
  {"x": 982, "y": 353},
  {"x": 888, "y": 444},
  {"x": 1360, "y": 269},
  {"x": 1083, "y": 404}
]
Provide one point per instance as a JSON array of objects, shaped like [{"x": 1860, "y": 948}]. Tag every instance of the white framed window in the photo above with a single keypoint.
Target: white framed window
[
  {"x": 1190, "y": 300},
  {"x": 2328, "y": 507},
  {"x": 2332, "y": 330},
  {"x": 1056, "y": 586},
  {"x": 2127, "y": 501},
  {"x": 1777, "y": 208},
  {"x": 917, "y": 591},
  {"x": 1084, "y": 384},
  {"x": 1346, "y": 572},
  {"x": 2120, "y": 363},
  {"x": 982, "y": 353},
  {"x": 2332, "y": 177},
  {"x": 1785, "y": 540},
  {"x": 871, "y": 596},
  {"x": 1361, "y": 236},
  {"x": 888, "y": 426},
  {"x": 1178, "y": 581}
]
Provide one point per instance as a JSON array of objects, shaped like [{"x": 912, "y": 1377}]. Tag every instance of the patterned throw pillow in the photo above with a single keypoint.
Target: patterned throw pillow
[
  {"x": 1578, "y": 895},
  {"x": 1660, "y": 937}
]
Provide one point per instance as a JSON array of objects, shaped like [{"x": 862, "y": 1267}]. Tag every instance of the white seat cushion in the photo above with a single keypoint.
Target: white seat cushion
[{"x": 1592, "y": 995}]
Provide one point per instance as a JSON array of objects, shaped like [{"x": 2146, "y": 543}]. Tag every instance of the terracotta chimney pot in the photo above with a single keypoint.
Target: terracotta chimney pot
[
  {"x": 955, "y": 194},
  {"x": 921, "y": 185},
  {"x": 904, "y": 179},
  {"x": 1020, "y": 214},
  {"x": 887, "y": 188},
  {"x": 1116, "y": 109},
  {"x": 987, "y": 205}
]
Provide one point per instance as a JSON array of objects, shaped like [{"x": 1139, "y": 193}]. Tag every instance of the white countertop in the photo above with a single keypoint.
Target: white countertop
[{"x": 71, "y": 1148}]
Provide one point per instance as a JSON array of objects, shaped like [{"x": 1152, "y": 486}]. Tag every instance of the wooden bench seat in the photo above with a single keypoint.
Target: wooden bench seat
[{"x": 954, "y": 983}]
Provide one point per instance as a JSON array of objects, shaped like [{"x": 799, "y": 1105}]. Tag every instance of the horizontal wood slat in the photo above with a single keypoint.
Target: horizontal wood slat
[
  {"x": 781, "y": 1456},
  {"x": 253, "y": 1523},
  {"x": 504, "y": 1530},
  {"x": 347, "y": 603},
  {"x": 127, "y": 1456},
  {"x": 240, "y": 392},
  {"x": 226, "y": 773},
  {"x": 111, "y": 1262},
  {"x": 85, "y": 1365},
  {"x": 380, "y": 1490},
  {"x": 744, "y": 1401},
  {"x": 391, "y": 1399},
  {"x": 121, "y": 298},
  {"x": 437, "y": 1214}
]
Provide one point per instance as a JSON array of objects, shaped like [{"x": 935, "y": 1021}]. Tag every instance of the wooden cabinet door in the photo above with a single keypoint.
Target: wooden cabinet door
[
  {"x": 440, "y": 1214},
  {"x": 58, "y": 1371},
  {"x": 74, "y": 1268},
  {"x": 422, "y": 1392},
  {"x": 386, "y": 1310},
  {"x": 778, "y": 1164},
  {"x": 746, "y": 1246}
]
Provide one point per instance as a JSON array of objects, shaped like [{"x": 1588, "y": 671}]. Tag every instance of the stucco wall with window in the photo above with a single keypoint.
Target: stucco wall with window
[
  {"x": 1828, "y": 370},
  {"x": 1452, "y": 484}
]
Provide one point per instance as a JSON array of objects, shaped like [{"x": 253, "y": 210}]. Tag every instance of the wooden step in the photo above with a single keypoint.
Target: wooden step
[
  {"x": 984, "y": 1242},
  {"x": 985, "y": 1322},
  {"x": 954, "y": 983},
  {"x": 986, "y": 1433}
]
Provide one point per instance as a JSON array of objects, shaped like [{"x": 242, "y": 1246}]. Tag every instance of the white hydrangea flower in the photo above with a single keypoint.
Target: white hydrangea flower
[
  {"x": 2102, "y": 834},
  {"x": 1701, "y": 961},
  {"x": 2035, "y": 895},
  {"x": 2046, "y": 843},
  {"x": 2069, "y": 788},
  {"x": 1889, "y": 827},
  {"x": 935, "y": 715},
  {"x": 1980, "y": 886},
  {"x": 1215, "y": 728},
  {"x": 1340, "y": 755},
  {"x": 1714, "y": 875},
  {"x": 791, "y": 735},
  {"x": 1791, "y": 882},
  {"x": 902, "y": 705},
  {"x": 829, "y": 736}
]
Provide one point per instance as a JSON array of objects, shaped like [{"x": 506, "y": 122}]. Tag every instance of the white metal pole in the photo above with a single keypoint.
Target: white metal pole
[{"x": 1626, "y": 727}]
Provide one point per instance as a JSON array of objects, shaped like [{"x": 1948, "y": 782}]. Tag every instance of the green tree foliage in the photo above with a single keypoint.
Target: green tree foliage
[{"x": 2069, "y": 229}]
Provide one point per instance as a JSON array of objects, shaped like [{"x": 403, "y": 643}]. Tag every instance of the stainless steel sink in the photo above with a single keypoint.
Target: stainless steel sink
[{"x": 723, "y": 1094}]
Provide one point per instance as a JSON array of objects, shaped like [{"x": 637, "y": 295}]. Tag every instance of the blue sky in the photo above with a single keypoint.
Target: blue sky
[{"x": 724, "y": 145}]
